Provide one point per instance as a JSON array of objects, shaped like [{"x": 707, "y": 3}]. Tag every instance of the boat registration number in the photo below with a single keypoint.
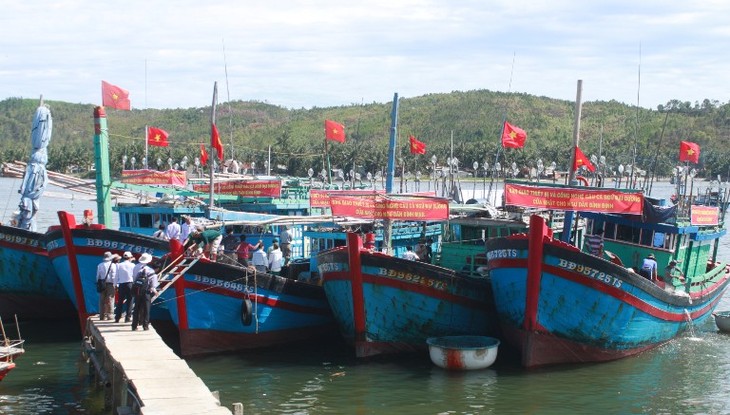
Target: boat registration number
[
  {"x": 214, "y": 282},
  {"x": 590, "y": 272},
  {"x": 413, "y": 278},
  {"x": 22, "y": 240},
  {"x": 121, "y": 246}
]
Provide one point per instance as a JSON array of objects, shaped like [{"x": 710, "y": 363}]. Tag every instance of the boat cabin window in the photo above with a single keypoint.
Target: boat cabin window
[
  {"x": 145, "y": 220},
  {"x": 643, "y": 237}
]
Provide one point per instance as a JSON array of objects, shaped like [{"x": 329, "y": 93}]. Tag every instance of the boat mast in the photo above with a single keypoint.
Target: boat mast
[
  {"x": 568, "y": 221},
  {"x": 101, "y": 158},
  {"x": 391, "y": 148},
  {"x": 211, "y": 203},
  {"x": 388, "y": 225}
]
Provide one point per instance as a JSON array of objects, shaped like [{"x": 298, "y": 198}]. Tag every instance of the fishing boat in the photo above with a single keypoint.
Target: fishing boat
[
  {"x": 562, "y": 305},
  {"x": 10, "y": 350},
  {"x": 29, "y": 285},
  {"x": 219, "y": 307},
  {"x": 386, "y": 304},
  {"x": 77, "y": 249}
]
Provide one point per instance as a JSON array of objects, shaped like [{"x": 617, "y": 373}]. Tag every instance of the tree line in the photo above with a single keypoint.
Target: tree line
[{"x": 622, "y": 134}]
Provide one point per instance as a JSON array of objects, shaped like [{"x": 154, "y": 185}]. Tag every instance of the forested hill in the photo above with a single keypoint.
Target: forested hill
[{"x": 474, "y": 118}]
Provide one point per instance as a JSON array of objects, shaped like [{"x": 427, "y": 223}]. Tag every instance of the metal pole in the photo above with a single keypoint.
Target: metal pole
[{"x": 211, "y": 202}]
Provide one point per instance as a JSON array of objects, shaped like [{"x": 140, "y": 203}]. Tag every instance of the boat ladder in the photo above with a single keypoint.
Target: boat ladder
[{"x": 175, "y": 270}]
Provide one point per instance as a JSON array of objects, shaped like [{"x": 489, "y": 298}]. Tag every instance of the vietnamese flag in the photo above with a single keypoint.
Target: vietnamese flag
[
  {"x": 582, "y": 160},
  {"x": 513, "y": 137},
  {"x": 334, "y": 131},
  {"x": 203, "y": 155},
  {"x": 157, "y": 137},
  {"x": 215, "y": 141},
  {"x": 417, "y": 147},
  {"x": 689, "y": 151},
  {"x": 114, "y": 97}
]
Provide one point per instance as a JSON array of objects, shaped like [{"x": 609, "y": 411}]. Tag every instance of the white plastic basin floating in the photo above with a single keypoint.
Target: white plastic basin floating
[
  {"x": 463, "y": 352},
  {"x": 722, "y": 319}
]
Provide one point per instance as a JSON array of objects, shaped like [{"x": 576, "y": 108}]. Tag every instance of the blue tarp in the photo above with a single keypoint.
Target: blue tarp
[{"x": 36, "y": 177}]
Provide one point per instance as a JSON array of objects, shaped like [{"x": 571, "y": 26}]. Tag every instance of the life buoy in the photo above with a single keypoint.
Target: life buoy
[
  {"x": 582, "y": 179},
  {"x": 246, "y": 312}
]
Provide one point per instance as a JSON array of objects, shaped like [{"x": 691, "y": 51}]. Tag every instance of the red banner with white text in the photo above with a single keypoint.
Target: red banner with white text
[
  {"x": 583, "y": 200},
  {"x": 245, "y": 188},
  {"x": 382, "y": 207},
  {"x": 169, "y": 177},
  {"x": 704, "y": 215},
  {"x": 320, "y": 198}
]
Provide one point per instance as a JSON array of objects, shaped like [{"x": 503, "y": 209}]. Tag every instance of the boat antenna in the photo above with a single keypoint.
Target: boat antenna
[
  {"x": 656, "y": 155},
  {"x": 228, "y": 99},
  {"x": 632, "y": 179},
  {"x": 501, "y": 133}
]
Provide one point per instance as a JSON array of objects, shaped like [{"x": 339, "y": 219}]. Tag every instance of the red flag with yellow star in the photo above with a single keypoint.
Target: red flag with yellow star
[
  {"x": 334, "y": 131},
  {"x": 114, "y": 97},
  {"x": 203, "y": 155},
  {"x": 689, "y": 151},
  {"x": 157, "y": 137},
  {"x": 513, "y": 137},
  {"x": 582, "y": 160},
  {"x": 417, "y": 147},
  {"x": 215, "y": 141}
]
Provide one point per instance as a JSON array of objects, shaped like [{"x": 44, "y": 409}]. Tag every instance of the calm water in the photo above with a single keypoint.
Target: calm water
[{"x": 686, "y": 376}]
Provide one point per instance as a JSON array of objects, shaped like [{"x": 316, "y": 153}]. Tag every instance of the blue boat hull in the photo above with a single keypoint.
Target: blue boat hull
[
  {"x": 208, "y": 306},
  {"x": 399, "y": 303},
  {"x": 29, "y": 285},
  {"x": 75, "y": 253},
  {"x": 581, "y": 308}
]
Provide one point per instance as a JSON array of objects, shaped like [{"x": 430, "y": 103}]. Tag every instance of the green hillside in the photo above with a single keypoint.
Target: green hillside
[{"x": 473, "y": 117}]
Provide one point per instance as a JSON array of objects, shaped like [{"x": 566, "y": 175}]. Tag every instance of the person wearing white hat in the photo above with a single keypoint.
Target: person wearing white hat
[
  {"x": 143, "y": 288},
  {"x": 106, "y": 274},
  {"x": 125, "y": 277}
]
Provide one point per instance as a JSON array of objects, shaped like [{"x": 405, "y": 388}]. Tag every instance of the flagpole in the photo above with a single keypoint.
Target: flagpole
[
  {"x": 146, "y": 144},
  {"x": 568, "y": 220},
  {"x": 327, "y": 156},
  {"x": 211, "y": 203}
]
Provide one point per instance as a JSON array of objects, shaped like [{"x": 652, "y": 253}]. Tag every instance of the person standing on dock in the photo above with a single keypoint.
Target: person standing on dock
[
  {"x": 143, "y": 288},
  {"x": 173, "y": 229},
  {"x": 106, "y": 274},
  {"x": 125, "y": 277}
]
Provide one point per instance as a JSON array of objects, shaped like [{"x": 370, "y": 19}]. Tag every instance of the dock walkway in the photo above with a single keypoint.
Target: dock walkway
[{"x": 143, "y": 375}]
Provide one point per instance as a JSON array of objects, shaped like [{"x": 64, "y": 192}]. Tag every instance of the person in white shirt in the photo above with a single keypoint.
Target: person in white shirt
[
  {"x": 173, "y": 229},
  {"x": 106, "y": 273},
  {"x": 143, "y": 301},
  {"x": 259, "y": 260},
  {"x": 276, "y": 258},
  {"x": 125, "y": 277},
  {"x": 409, "y": 254},
  {"x": 185, "y": 229}
]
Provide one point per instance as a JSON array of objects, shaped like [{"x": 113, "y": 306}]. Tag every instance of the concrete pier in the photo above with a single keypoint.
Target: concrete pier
[{"x": 142, "y": 375}]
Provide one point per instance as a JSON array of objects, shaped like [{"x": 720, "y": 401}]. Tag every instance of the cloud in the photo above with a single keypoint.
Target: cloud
[{"x": 329, "y": 53}]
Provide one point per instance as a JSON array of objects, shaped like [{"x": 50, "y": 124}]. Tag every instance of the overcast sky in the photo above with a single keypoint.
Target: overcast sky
[{"x": 329, "y": 53}]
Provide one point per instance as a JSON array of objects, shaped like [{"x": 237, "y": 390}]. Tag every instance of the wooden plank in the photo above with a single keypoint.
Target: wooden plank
[{"x": 164, "y": 383}]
